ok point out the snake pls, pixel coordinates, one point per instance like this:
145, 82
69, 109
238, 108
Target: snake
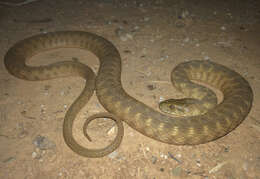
204, 118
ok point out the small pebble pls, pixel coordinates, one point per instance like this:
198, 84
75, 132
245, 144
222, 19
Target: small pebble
154, 159
113, 155
187, 39
127, 51
163, 156
123, 35
43, 143
223, 28
34, 155
178, 155
226, 149
151, 87
198, 163
136, 28
184, 14
206, 58
146, 19
164, 57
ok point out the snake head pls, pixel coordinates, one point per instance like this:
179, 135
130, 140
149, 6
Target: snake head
181, 107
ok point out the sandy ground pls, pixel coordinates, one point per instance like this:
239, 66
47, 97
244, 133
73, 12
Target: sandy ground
152, 37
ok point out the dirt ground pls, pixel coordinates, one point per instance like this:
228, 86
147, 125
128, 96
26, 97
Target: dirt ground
152, 37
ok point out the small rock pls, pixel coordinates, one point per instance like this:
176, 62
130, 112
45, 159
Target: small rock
226, 149
123, 35
109, 22
206, 58
113, 155
198, 163
43, 106
163, 156
151, 87
127, 51
187, 39
154, 159
164, 57
223, 28
43, 143
184, 14
34, 155
146, 19
178, 155
136, 28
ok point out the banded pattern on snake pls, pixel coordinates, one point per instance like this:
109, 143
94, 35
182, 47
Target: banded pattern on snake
215, 121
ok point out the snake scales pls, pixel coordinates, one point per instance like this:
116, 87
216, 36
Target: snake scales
216, 120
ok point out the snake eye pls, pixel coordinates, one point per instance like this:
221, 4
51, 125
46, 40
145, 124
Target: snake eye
172, 106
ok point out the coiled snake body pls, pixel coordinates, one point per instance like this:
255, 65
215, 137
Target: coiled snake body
216, 120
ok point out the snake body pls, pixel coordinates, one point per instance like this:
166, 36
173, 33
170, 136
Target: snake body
216, 121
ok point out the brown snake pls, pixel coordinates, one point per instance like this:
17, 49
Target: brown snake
216, 120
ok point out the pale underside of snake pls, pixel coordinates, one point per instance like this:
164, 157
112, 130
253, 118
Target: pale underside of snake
215, 120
